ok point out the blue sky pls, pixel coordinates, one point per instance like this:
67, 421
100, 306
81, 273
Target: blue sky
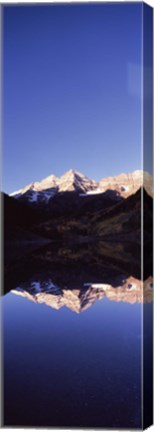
71, 98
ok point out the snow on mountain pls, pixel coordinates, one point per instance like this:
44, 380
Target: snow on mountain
124, 184
73, 180
127, 184
92, 192
48, 187
78, 300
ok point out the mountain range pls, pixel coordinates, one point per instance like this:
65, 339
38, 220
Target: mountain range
75, 276
76, 207
78, 300
73, 181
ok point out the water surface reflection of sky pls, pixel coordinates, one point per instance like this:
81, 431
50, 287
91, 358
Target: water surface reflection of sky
72, 338
68, 369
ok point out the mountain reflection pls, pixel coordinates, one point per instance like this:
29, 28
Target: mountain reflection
77, 276
79, 300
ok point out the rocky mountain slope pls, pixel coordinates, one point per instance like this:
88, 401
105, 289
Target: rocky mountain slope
122, 185
74, 206
79, 300
47, 188
128, 184
99, 218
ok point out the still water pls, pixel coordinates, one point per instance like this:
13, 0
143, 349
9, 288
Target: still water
72, 352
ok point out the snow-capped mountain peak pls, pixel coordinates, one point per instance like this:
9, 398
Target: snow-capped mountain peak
74, 181
48, 187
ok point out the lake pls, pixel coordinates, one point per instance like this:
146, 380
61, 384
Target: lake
72, 344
